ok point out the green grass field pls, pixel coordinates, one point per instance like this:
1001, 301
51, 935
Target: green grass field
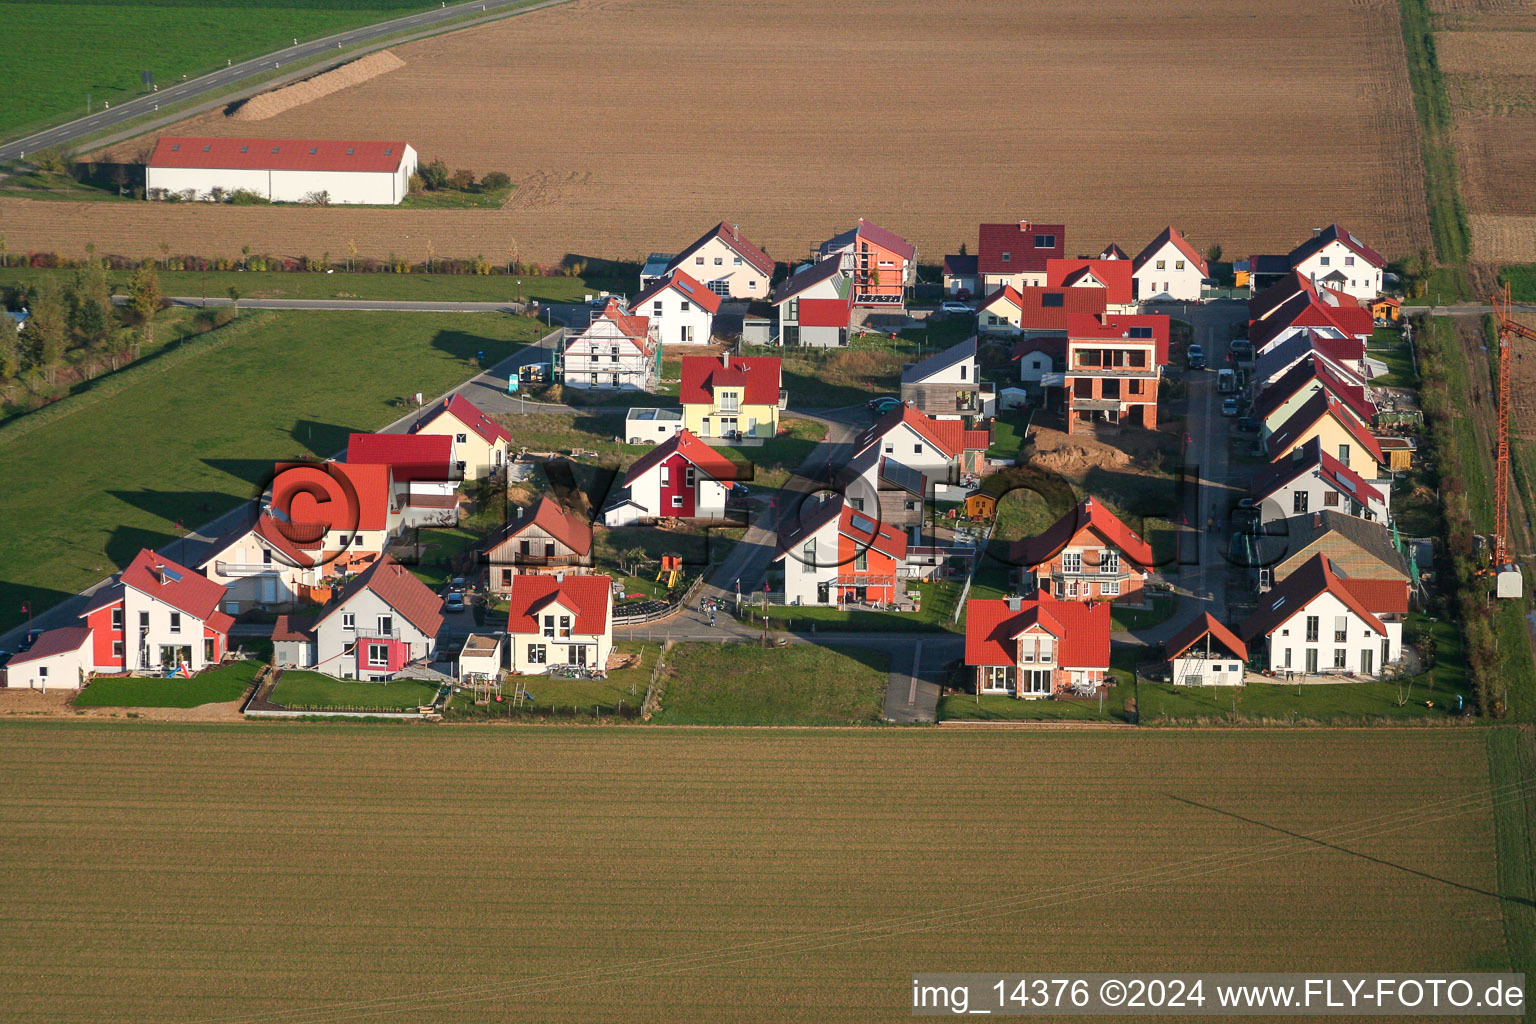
215, 686
298, 690
740, 684
801, 876
91, 480
75, 47
342, 285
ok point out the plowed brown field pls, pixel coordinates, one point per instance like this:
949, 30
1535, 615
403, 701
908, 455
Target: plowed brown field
632, 125
469, 875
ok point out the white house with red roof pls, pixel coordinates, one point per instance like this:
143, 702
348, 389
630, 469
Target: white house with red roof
340, 515
60, 659
946, 452
423, 480
382, 621
838, 555
1344, 357
618, 350
726, 262
681, 310
1169, 269
1205, 653
157, 616
1037, 648
815, 305
1333, 257
1089, 554
559, 620
1320, 621
259, 565
1112, 275
1310, 479
1036, 312
1325, 419
882, 264
1015, 255
680, 478
732, 396
480, 444
282, 170
546, 538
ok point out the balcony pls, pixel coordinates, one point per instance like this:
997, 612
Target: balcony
364, 633
224, 568
1091, 574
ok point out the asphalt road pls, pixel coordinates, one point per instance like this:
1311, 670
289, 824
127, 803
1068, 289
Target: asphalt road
227, 80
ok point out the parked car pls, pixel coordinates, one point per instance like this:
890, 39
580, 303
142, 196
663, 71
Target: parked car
454, 602
952, 308
1229, 407
885, 405
1226, 381
1248, 424
1196, 357
1242, 350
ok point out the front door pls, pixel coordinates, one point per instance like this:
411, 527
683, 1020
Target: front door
1366, 663
1311, 661
210, 654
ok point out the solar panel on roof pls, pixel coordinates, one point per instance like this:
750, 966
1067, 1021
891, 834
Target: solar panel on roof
685, 286
861, 524
1053, 299
207, 148
313, 150
350, 151
245, 149
176, 148
276, 148
171, 575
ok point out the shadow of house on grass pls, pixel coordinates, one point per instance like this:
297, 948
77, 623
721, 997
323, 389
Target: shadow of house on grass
127, 541
257, 473
322, 440
39, 599
467, 348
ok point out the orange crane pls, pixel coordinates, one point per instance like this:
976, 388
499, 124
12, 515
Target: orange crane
1509, 330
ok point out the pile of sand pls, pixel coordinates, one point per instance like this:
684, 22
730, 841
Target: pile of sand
270, 104
1074, 460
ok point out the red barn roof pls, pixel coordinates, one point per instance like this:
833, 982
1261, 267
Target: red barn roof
174, 584
1019, 247
252, 154
759, 377
1115, 275
1081, 630
467, 413
587, 596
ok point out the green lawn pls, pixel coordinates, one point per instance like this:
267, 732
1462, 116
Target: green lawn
992, 707
189, 435
343, 285
622, 685
1008, 435
743, 684
75, 47
775, 460
297, 690
1521, 278
1387, 345
215, 686
938, 605
441, 551
1162, 610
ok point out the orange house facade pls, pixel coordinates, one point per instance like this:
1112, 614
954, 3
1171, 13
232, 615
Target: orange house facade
1037, 648
881, 263
1087, 555
1114, 366
839, 555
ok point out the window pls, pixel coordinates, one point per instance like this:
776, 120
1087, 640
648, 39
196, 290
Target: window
1053, 300
549, 625
506, 577
1178, 264
1331, 499
690, 475
656, 309
117, 620
143, 620
1311, 661
719, 261
1109, 562
1340, 657
1006, 257
1340, 628
857, 504
736, 261
350, 151
1140, 332
1312, 629
117, 648
348, 622
313, 150
1109, 588
698, 260
461, 438
996, 679
1299, 502
1162, 264
42, 671
1287, 659
963, 368
808, 556
890, 448
386, 624
175, 622
861, 560
1072, 561
266, 556
1323, 261
917, 449
1349, 261
666, 476
1344, 454
536, 654
565, 625
677, 501
342, 540
1045, 241
378, 654
684, 306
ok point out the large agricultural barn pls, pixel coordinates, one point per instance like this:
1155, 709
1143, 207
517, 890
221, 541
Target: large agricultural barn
283, 170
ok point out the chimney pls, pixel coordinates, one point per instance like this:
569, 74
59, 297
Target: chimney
560, 577
1014, 602
1317, 520
160, 573
1024, 226
725, 358
1316, 232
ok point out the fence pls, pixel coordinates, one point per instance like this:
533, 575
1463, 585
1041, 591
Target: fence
653, 691
673, 602
981, 553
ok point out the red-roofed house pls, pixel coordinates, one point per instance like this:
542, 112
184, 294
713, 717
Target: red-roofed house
1324, 418
422, 478
339, 514
479, 442
617, 350
881, 263
1320, 622
1285, 394
547, 539
1205, 653
681, 310
60, 658
282, 170
1086, 555
560, 620
1112, 275
259, 565
1312, 479
838, 555
726, 262
1113, 367
732, 395
1015, 255
944, 451
1036, 312
680, 478
156, 616
1169, 269
1335, 258
1037, 648
382, 621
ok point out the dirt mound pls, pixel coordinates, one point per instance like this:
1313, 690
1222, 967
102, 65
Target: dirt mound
1076, 459
278, 101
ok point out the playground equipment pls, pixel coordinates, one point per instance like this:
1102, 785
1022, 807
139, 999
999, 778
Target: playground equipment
671, 568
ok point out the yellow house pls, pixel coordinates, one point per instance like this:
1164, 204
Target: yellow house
1338, 432
479, 443
732, 396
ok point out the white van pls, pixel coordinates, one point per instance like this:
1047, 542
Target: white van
1226, 381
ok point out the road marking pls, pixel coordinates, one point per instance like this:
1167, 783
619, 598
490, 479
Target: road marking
917, 657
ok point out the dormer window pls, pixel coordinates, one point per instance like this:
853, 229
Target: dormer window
1045, 241
1007, 257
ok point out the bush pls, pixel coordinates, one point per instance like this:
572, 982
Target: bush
462, 179
495, 180
435, 174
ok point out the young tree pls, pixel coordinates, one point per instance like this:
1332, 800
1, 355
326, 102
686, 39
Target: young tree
47, 328
495, 180
1213, 254
144, 296
10, 349
462, 179
234, 299
435, 174
90, 299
